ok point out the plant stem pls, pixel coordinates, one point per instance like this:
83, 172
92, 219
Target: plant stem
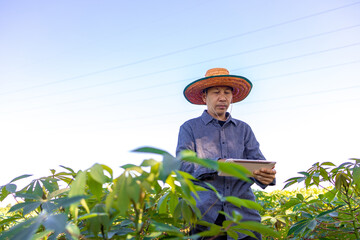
353, 218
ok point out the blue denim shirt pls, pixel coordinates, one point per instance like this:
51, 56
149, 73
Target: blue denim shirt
235, 139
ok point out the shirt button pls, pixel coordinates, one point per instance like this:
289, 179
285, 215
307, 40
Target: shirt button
223, 142
227, 187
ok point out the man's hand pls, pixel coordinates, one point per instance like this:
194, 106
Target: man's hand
265, 175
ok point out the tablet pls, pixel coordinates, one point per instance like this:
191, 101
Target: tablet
250, 164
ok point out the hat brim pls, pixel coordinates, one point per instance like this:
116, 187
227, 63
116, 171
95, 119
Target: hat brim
241, 87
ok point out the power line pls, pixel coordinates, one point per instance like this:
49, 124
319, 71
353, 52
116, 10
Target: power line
267, 100
306, 106
255, 80
265, 111
142, 118
146, 88
183, 50
302, 95
174, 68
298, 56
307, 70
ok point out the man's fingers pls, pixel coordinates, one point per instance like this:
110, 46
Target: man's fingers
264, 180
267, 170
265, 175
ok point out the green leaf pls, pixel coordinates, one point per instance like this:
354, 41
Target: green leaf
24, 230
220, 197
95, 187
149, 163
4, 193
78, 185
356, 176
108, 169
330, 195
41, 235
67, 168
324, 174
233, 234
236, 230
307, 182
162, 227
289, 184
173, 202
119, 197
91, 215
56, 223
184, 211
305, 174
243, 203
328, 212
48, 206
213, 231
30, 206
21, 177
208, 163
341, 181
327, 164
300, 196
150, 150
65, 202
49, 185
11, 187
163, 203
297, 227
122, 232
132, 189
28, 196
38, 189
169, 165
186, 153
130, 166
292, 202
306, 215
99, 223
27, 207
58, 193
17, 207
258, 227
235, 170
97, 173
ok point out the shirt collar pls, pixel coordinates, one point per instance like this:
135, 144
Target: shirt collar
207, 118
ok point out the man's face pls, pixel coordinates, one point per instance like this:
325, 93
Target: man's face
218, 100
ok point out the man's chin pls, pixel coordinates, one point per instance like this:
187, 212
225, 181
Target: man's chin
221, 113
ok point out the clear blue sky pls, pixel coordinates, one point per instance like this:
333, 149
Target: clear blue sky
88, 81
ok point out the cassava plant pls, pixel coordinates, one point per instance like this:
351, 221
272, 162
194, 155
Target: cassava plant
151, 201
335, 214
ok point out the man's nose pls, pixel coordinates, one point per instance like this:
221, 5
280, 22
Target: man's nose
222, 97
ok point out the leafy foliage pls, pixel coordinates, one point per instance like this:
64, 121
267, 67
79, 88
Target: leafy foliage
151, 201
328, 211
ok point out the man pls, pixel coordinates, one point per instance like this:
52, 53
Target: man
216, 135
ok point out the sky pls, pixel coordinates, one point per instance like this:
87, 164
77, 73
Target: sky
85, 82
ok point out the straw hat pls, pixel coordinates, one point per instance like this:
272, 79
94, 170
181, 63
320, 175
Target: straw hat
218, 77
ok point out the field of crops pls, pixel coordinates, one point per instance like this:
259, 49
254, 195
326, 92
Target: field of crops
156, 201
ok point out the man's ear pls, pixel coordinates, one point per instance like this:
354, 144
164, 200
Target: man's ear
204, 97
